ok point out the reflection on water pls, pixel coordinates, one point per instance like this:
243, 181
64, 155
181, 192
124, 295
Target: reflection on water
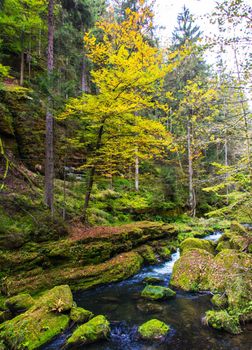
122, 305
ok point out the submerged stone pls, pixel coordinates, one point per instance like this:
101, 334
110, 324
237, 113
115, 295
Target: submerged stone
149, 307
153, 330
90, 332
152, 280
157, 292
80, 315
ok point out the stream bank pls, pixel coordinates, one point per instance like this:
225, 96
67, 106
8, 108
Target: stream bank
122, 305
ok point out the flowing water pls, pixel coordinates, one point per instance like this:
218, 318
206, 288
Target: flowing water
122, 305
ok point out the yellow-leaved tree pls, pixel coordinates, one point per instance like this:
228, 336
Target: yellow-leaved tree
128, 72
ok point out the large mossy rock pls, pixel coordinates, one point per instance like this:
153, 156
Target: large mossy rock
80, 315
230, 272
192, 243
19, 303
190, 272
94, 330
40, 323
157, 293
153, 330
79, 277
223, 320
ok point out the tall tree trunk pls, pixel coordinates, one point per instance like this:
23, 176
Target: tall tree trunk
22, 60
192, 197
84, 76
92, 175
245, 115
226, 161
137, 171
49, 163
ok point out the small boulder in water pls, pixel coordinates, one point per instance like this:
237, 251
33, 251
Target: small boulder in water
157, 292
223, 320
94, 330
153, 330
80, 315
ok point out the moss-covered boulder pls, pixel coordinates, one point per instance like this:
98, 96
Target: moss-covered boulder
94, 330
192, 243
153, 330
80, 315
190, 271
219, 300
148, 254
223, 320
230, 272
157, 293
19, 303
40, 323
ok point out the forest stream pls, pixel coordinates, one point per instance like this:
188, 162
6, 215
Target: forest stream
126, 310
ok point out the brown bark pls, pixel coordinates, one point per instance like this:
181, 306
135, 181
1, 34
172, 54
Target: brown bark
192, 197
49, 163
91, 176
84, 76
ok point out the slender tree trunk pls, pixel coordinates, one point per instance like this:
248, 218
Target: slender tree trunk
84, 76
245, 116
22, 60
137, 171
92, 176
226, 161
192, 198
49, 163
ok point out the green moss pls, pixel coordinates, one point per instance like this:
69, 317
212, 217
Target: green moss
192, 243
148, 254
19, 303
115, 269
153, 330
157, 293
223, 320
190, 271
40, 323
219, 300
164, 252
90, 332
80, 315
